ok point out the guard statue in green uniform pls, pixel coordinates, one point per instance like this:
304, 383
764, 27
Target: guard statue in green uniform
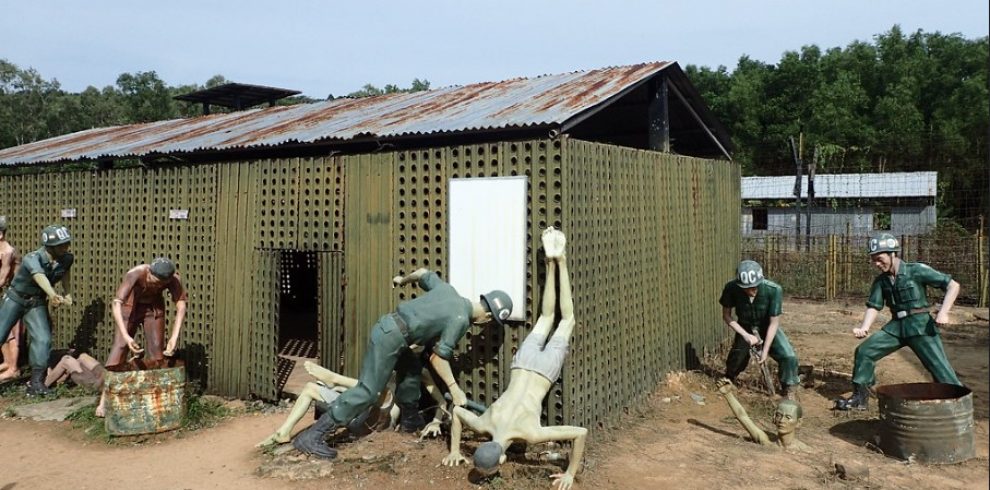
901, 286
441, 314
30, 292
758, 305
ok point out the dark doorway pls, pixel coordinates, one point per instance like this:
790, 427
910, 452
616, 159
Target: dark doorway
760, 220
298, 318
298, 307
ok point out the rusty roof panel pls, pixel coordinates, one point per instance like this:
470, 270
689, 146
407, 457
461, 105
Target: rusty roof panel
516, 103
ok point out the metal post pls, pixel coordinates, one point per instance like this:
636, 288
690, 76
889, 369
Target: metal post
658, 115
811, 200
797, 195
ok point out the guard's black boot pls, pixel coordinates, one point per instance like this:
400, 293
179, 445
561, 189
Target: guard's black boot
410, 420
37, 385
311, 440
860, 399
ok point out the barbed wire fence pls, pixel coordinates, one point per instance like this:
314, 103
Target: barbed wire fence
817, 248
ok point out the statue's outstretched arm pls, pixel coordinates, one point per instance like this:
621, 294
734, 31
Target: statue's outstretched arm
577, 436
727, 390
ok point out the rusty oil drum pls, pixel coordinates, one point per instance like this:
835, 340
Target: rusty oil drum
145, 398
926, 422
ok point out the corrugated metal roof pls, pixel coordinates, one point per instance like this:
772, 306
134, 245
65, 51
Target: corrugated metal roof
517, 103
893, 184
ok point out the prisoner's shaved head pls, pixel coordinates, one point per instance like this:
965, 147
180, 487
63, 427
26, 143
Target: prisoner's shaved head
487, 456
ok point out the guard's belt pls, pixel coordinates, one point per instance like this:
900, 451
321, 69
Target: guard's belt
26, 301
906, 313
403, 327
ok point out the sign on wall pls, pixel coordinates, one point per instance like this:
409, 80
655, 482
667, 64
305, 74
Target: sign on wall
488, 238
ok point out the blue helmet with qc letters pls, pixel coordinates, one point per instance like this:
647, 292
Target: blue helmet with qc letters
55, 235
749, 274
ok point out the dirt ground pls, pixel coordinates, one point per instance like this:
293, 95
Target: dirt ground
669, 441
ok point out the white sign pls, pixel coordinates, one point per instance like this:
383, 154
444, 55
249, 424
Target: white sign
69, 213
488, 238
178, 214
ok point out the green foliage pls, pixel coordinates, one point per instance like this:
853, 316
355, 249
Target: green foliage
903, 102
203, 412
370, 90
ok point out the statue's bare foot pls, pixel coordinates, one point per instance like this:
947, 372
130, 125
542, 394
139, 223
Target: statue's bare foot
321, 373
553, 242
10, 375
273, 439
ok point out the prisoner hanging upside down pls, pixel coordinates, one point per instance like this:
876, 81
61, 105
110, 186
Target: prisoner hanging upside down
441, 313
787, 419
383, 414
515, 415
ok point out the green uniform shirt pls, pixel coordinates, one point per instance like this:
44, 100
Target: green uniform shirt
904, 293
767, 303
441, 312
37, 263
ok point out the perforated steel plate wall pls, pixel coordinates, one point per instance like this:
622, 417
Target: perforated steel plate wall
652, 237
484, 356
122, 219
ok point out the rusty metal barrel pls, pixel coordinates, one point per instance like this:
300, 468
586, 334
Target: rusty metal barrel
926, 422
145, 398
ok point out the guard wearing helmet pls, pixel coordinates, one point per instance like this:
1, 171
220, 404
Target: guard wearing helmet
901, 286
30, 292
10, 347
440, 314
757, 302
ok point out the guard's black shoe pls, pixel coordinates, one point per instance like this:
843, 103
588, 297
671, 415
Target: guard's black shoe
36, 387
860, 399
311, 441
410, 420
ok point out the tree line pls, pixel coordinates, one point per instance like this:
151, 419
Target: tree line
903, 102
900, 102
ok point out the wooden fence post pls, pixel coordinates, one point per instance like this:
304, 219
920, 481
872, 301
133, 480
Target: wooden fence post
983, 280
830, 269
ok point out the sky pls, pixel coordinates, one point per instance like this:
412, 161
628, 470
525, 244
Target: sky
337, 46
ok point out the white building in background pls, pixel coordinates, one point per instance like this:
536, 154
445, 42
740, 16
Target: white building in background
902, 203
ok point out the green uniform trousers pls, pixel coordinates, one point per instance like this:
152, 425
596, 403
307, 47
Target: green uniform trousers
928, 348
39, 329
781, 351
387, 351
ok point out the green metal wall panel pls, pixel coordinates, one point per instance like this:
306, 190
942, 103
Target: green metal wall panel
331, 310
368, 269
651, 244
264, 324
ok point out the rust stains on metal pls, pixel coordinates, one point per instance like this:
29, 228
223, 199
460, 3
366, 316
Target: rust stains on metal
515, 103
930, 423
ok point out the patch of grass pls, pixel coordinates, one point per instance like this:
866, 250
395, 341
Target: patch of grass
85, 419
203, 412
14, 394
